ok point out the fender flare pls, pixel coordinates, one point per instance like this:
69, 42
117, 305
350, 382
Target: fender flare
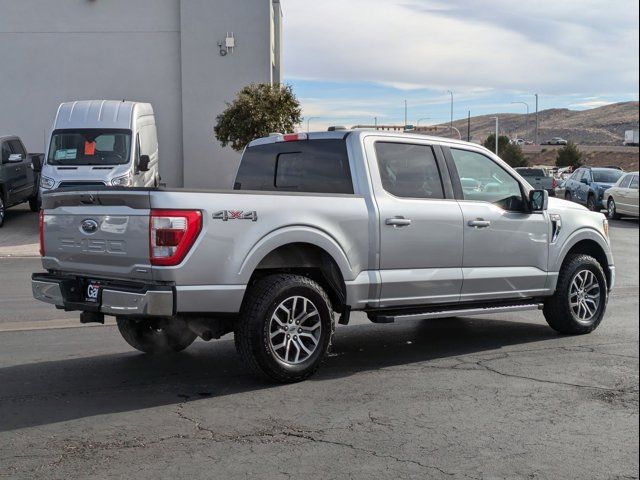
294, 234
576, 237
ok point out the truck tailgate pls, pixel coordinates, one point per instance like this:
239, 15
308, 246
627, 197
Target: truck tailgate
98, 233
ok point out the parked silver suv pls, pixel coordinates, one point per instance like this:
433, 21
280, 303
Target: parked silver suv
322, 224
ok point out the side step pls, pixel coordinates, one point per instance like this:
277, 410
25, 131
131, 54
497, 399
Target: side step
454, 312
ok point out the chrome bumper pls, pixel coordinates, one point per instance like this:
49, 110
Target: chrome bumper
153, 301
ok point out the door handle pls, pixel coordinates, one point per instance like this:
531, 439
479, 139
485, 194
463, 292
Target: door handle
479, 223
398, 222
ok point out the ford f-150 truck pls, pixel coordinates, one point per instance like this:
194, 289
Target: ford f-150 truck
317, 226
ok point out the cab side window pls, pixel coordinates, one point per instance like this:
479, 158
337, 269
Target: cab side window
484, 180
17, 148
634, 183
626, 181
6, 152
409, 171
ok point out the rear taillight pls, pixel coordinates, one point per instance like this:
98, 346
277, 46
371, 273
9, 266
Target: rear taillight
41, 223
172, 233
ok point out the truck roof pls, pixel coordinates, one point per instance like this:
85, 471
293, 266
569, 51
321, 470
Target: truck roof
100, 114
340, 134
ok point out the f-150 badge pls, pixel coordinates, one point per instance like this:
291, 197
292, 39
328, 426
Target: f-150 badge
226, 215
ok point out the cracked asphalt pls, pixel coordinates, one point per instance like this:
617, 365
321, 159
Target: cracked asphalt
479, 397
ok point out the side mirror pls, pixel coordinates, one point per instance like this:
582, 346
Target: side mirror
539, 200
144, 163
15, 158
585, 181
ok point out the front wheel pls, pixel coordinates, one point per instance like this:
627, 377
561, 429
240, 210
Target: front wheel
285, 328
612, 211
591, 203
156, 336
580, 301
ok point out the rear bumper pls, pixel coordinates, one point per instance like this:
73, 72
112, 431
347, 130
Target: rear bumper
124, 299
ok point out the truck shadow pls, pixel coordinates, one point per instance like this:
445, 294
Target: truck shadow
49, 392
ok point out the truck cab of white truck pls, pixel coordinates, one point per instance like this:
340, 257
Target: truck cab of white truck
102, 143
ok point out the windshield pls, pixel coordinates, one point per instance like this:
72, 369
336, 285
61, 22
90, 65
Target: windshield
607, 176
90, 147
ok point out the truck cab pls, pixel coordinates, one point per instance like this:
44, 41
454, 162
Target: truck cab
102, 143
18, 176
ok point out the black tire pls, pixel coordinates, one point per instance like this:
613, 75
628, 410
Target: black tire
35, 203
156, 336
3, 210
254, 328
558, 310
568, 197
591, 203
612, 211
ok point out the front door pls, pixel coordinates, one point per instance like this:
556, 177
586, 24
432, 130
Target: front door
506, 248
420, 224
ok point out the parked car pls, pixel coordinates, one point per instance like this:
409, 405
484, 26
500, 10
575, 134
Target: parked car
557, 141
622, 198
321, 223
587, 186
100, 142
18, 176
539, 178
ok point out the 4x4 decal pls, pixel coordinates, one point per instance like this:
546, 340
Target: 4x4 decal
226, 215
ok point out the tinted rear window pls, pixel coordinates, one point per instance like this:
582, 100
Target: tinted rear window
311, 166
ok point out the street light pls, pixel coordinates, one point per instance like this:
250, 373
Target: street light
451, 120
497, 137
309, 122
406, 111
526, 129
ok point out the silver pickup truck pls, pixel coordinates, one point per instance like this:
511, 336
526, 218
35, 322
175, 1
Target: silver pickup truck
317, 226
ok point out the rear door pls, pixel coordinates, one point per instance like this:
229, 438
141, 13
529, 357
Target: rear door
506, 248
98, 233
632, 198
420, 223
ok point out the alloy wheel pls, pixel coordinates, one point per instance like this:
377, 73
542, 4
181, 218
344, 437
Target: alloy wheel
294, 330
584, 296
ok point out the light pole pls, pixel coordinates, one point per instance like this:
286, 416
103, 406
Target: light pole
309, 122
537, 123
526, 129
497, 135
451, 118
406, 114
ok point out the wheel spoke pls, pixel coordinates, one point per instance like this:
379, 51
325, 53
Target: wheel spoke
297, 342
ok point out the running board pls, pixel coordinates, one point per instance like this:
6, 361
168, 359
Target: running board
458, 312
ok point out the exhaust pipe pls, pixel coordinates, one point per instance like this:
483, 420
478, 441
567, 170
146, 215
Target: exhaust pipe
204, 328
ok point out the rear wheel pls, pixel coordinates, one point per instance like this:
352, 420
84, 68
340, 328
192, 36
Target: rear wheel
285, 329
156, 335
612, 211
35, 203
591, 203
2, 210
580, 301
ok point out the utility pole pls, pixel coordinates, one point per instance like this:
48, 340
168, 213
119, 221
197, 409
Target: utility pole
469, 126
451, 118
497, 134
537, 121
375, 122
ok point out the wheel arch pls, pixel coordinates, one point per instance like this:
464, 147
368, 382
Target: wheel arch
589, 242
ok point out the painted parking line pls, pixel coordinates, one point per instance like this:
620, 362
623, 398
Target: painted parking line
52, 325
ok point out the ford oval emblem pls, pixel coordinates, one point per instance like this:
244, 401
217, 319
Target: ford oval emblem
89, 226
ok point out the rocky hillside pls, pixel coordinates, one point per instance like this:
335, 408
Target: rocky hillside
597, 126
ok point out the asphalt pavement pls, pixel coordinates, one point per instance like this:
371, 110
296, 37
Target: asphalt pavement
481, 397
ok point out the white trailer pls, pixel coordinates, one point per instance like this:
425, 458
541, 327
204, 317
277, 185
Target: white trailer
631, 138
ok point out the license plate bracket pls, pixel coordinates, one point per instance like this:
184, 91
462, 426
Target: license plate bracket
92, 291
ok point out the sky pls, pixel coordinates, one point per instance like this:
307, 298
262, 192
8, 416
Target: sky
350, 61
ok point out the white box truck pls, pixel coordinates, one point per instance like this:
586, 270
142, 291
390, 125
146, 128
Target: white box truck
631, 138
